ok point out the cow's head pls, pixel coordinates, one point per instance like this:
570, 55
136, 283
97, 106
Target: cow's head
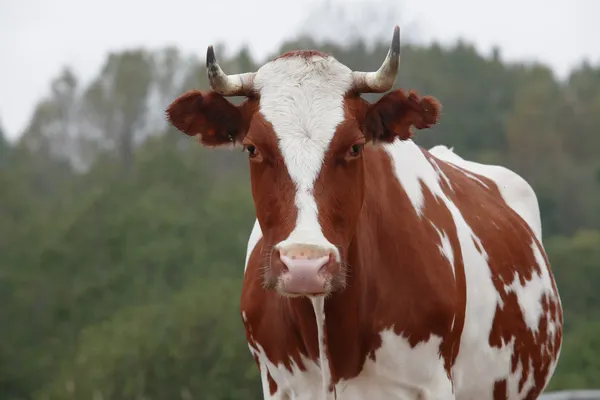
304, 126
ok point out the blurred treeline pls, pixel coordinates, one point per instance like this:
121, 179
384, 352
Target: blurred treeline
122, 241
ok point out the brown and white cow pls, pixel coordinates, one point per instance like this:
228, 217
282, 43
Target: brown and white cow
377, 269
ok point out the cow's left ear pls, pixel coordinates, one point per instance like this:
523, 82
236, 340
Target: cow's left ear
394, 114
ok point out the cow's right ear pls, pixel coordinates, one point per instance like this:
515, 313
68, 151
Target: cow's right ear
210, 116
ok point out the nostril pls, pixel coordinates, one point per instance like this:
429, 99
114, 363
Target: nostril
330, 261
282, 258
277, 261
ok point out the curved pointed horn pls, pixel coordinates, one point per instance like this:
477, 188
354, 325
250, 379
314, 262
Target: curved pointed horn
227, 85
384, 78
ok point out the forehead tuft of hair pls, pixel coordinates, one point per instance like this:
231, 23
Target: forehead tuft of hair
302, 54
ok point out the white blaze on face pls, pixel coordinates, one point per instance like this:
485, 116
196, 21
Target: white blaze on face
303, 98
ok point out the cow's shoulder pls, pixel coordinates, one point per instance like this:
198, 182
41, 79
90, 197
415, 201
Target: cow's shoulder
515, 190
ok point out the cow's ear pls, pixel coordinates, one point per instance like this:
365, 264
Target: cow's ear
394, 114
210, 116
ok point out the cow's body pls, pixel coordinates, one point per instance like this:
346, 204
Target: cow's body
455, 266
377, 269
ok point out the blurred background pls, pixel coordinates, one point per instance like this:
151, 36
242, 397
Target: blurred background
122, 241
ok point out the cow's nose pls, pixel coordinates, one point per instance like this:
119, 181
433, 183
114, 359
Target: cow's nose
306, 269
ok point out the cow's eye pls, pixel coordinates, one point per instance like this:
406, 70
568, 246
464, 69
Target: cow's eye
355, 150
251, 149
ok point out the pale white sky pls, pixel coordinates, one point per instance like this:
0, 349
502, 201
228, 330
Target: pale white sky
38, 37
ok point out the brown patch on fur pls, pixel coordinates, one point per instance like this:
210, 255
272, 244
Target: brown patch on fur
436, 212
275, 209
285, 327
394, 114
272, 384
500, 392
211, 116
302, 54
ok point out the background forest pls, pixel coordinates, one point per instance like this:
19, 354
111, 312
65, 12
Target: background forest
122, 241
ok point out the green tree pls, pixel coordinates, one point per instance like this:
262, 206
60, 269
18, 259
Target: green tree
5, 148
116, 103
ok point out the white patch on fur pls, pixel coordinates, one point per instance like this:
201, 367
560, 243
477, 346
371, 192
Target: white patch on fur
442, 174
446, 248
319, 308
530, 294
515, 190
401, 152
400, 372
297, 384
512, 384
303, 98
255, 236
290, 385
553, 322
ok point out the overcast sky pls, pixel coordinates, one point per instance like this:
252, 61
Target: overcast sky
38, 37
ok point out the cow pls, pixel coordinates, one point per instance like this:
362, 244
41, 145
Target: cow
377, 269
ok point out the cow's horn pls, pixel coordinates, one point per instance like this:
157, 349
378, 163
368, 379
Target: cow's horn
227, 85
384, 78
